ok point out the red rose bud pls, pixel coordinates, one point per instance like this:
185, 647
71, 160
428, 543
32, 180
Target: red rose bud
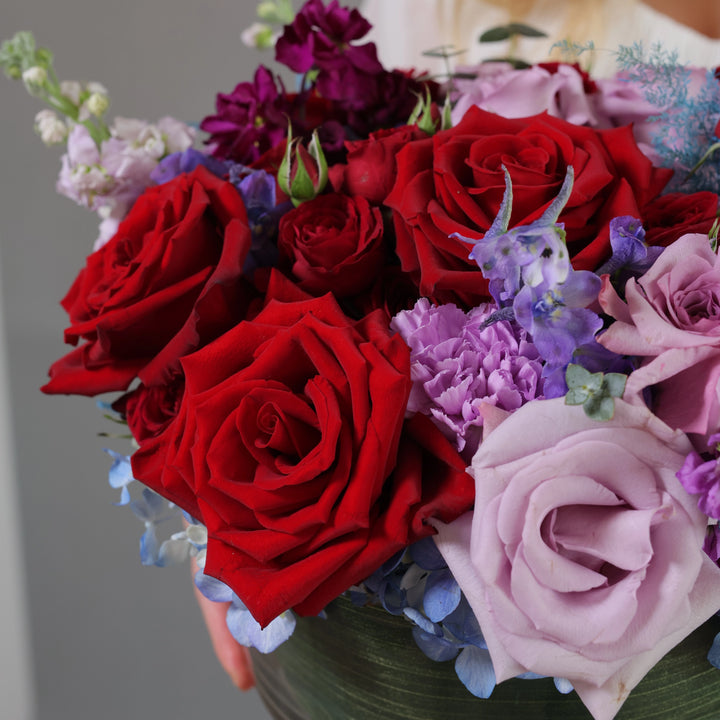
295, 179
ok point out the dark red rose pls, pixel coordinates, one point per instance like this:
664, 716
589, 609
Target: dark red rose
149, 410
168, 282
371, 167
291, 447
454, 183
676, 214
333, 243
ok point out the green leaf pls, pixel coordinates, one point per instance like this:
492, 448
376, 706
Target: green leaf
496, 34
525, 30
615, 384
576, 376
600, 408
505, 32
576, 396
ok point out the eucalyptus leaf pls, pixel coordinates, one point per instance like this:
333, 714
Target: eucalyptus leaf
615, 384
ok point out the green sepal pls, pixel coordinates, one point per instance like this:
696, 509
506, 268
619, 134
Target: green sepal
301, 186
285, 169
446, 117
317, 154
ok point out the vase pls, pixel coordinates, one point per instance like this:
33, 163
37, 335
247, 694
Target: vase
362, 663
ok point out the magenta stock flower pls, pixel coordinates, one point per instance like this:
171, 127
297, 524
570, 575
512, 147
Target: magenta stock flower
250, 120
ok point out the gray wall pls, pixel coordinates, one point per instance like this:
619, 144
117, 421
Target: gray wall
111, 640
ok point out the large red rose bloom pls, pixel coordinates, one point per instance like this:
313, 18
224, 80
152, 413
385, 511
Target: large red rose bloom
291, 446
454, 183
169, 281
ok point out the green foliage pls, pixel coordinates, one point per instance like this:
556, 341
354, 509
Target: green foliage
20, 54
596, 392
505, 32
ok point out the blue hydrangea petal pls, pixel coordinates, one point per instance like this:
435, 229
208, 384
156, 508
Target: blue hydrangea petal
247, 631
426, 554
714, 653
149, 545
442, 595
436, 648
422, 622
212, 588
563, 685
173, 552
463, 624
474, 668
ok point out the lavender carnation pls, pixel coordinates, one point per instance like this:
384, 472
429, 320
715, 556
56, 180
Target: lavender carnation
458, 364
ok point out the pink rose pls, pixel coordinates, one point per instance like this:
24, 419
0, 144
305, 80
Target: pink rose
671, 318
583, 557
503, 90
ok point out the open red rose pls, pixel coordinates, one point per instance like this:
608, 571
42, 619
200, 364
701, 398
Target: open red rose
169, 281
454, 183
333, 243
291, 447
671, 216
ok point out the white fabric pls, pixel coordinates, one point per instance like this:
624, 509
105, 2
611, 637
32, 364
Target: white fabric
404, 29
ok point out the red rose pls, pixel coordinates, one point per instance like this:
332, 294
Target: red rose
334, 243
168, 282
371, 169
673, 215
149, 410
454, 182
291, 447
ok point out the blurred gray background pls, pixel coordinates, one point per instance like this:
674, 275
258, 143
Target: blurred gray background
110, 639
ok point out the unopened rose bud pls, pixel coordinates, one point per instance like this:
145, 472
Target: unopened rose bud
97, 104
51, 129
35, 78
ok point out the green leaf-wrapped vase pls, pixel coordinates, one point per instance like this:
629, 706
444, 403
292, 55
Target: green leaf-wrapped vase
362, 664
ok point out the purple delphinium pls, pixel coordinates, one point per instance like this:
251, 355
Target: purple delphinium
251, 119
458, 363
185, 162
630, 255
701, 476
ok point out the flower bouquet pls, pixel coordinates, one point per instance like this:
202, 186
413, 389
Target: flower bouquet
429, 369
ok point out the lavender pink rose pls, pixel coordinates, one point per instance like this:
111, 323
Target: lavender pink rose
671, 318
577, 532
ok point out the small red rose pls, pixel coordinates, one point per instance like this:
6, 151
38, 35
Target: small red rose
333, 243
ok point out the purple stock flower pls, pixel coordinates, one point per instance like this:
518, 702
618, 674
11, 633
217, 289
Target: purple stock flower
250, 120
700, 476
458, 364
